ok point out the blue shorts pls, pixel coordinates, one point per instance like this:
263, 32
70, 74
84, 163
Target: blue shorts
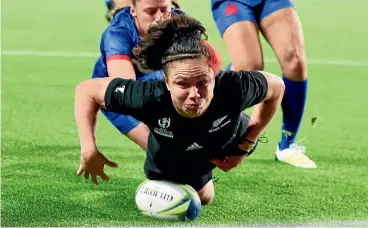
228, 12
125, 123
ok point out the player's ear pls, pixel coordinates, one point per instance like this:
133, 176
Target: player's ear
132, 10
167, 83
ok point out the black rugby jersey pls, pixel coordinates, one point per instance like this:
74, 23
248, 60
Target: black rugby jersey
176, 144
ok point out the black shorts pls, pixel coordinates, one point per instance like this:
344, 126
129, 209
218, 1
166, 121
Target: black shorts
197, 182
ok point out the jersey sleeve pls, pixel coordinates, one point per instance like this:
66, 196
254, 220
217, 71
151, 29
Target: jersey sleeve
117, 43
243, 88
130, 97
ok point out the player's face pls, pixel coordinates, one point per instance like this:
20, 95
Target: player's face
191, 84
149, 12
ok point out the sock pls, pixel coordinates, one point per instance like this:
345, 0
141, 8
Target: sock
228, 68
292, 105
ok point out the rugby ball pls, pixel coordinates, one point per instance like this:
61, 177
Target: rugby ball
167, 200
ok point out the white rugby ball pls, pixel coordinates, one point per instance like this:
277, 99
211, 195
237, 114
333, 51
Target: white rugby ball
167, 200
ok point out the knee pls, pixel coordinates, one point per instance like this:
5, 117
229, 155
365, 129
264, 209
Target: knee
207, 193
248, 64
294, 64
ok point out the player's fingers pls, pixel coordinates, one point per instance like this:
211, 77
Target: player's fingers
104, 176
94, 178
80, 170
86, 174
110, 163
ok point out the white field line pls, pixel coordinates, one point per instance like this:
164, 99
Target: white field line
334, 223
339, 62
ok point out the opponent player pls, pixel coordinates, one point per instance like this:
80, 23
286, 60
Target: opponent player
239, 23
195, 116
116, 60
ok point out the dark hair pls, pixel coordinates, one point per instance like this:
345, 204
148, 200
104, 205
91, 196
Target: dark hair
180, 37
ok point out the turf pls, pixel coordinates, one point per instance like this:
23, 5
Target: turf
40, 148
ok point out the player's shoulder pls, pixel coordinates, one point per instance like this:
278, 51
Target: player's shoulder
149, 92
230, 80
154, 93
122, 20
154, 89
227, 76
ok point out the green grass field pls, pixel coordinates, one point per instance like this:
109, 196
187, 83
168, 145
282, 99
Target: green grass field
40, 147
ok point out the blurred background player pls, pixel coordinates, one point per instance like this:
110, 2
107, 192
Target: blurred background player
239, 23
127, 25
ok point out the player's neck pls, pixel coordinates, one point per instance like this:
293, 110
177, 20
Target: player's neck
139, 27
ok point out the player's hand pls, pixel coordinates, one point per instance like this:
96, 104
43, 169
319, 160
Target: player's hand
228, 162
92, 164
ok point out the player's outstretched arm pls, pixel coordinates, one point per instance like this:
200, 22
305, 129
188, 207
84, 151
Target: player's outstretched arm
120, 68
89, 96
263, 112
